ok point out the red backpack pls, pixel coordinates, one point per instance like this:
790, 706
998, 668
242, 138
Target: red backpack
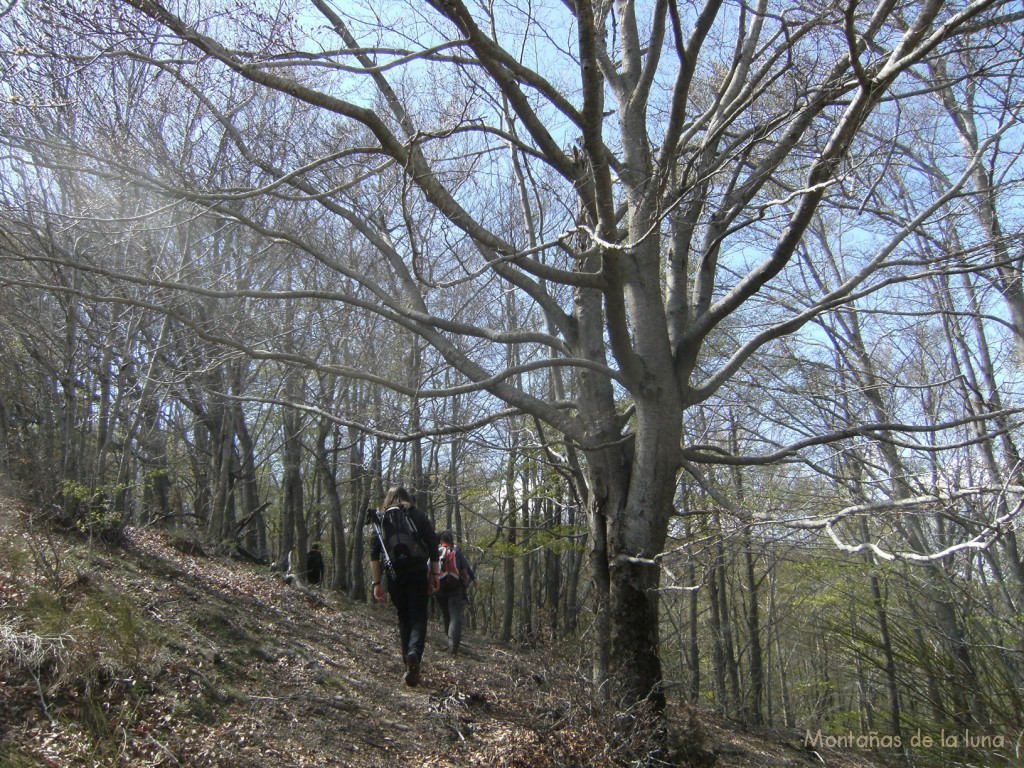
450, 578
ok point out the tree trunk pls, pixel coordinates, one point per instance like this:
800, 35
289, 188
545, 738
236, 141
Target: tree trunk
69, 461
294, 535
574, 567
329, 483
221, 525
361, 498
509, 558
756, 667
525, 629
693, 598
885, 639
717, 638
202, 503
632, 494
453, 506
728, 644
255, 537
552, 572
773, 622
103, 379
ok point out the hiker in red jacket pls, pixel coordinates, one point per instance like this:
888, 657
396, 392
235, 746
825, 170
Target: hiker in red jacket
455, 580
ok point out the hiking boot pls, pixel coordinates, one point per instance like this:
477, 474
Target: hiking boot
412, 669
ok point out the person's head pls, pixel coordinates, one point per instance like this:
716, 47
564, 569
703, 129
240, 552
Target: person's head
397, 494
446, 538
316, 547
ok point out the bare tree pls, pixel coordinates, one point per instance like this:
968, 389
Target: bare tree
668, 163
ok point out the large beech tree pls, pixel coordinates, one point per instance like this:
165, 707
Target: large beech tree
638, 176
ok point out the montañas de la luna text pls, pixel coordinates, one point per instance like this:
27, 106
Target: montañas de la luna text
874, 740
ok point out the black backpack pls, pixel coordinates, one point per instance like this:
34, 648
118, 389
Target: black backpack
401, 537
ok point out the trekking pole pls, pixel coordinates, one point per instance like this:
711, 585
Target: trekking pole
373, 517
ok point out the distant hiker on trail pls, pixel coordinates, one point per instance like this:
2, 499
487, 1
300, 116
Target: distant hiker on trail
456, 578
315, 566
409, 543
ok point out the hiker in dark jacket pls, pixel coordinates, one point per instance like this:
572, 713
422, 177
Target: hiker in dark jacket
315, 566
412, 584
453, 589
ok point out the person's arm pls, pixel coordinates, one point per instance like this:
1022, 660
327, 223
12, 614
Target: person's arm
429, 536
465, 569
434, 566
375, 578
376, 572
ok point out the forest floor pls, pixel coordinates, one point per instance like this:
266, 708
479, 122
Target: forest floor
155, 653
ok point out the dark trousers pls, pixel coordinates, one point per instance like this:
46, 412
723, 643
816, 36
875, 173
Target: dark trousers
410, 595
451, 602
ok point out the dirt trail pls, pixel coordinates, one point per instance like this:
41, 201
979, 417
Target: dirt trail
196, 660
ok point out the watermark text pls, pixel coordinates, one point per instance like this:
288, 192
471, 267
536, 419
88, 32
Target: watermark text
943, 739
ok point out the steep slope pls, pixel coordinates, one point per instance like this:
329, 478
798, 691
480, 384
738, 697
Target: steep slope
155, 653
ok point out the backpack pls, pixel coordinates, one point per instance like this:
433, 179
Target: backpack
450, 578
401, 537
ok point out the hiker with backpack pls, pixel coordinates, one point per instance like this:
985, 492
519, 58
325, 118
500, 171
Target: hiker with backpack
456, 577
407, 546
